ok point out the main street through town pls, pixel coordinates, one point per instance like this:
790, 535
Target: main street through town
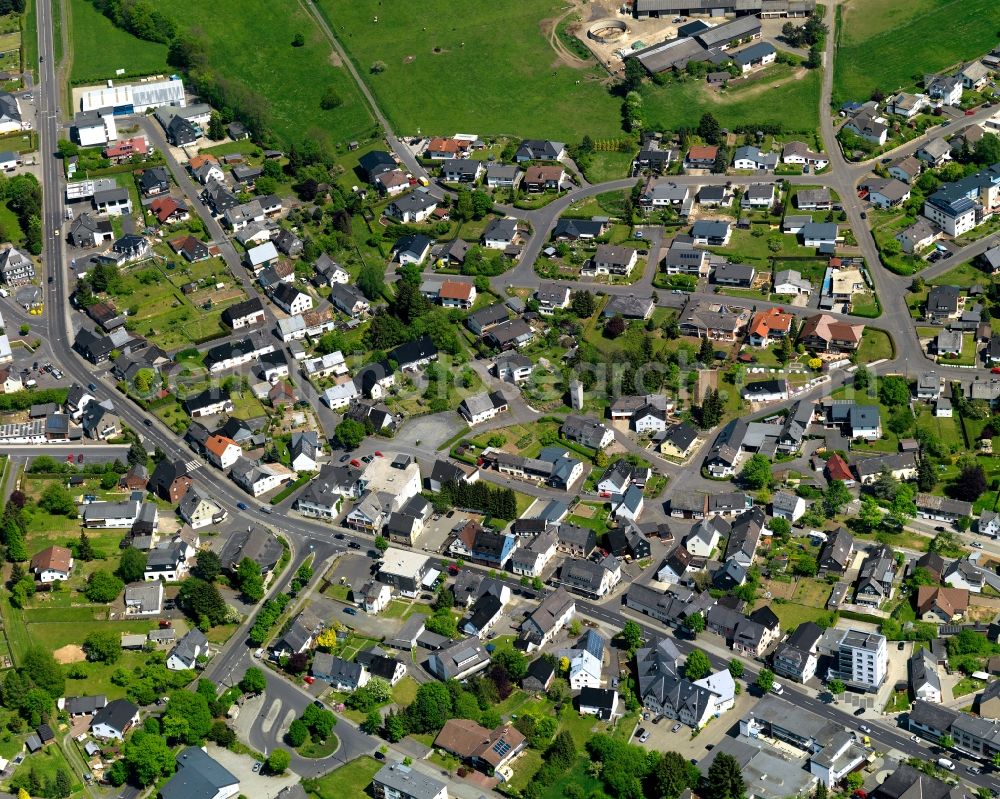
317, 540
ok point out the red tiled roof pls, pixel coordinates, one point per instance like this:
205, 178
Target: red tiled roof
703, 153
455, 290
837, 469
53, 558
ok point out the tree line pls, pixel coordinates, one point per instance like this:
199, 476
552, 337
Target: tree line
500, 503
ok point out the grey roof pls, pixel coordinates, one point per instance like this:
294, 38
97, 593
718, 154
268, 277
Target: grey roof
116, 714
257, 543
198, 776
406, 782
923, 670
188, 648
740, 272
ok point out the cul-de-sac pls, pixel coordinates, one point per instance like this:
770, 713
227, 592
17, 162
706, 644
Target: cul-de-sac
563, 399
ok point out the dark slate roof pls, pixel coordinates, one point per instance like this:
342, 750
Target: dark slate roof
116, 714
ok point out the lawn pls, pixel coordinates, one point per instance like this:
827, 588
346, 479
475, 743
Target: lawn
99, 49
968, 355
253, 52
792, 615
963, 275
793, 104
601, 167
347, 782
405, 691
875, 345
46, 763
911, 37
967, 685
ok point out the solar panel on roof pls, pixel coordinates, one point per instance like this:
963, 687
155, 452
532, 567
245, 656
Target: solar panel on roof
502, 748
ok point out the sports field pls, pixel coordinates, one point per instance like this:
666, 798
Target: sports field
890, 44
249, 44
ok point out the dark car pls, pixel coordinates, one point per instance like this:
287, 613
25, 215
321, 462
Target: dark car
147, 422
91, 387
318, 704
344, 457
354, 545
241, 505
339, 536
350, 611
864, 215
860, 711
901, 646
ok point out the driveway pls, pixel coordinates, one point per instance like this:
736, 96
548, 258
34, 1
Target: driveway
252, 784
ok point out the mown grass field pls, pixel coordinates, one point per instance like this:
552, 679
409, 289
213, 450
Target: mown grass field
473, 75
249, 44
792, 103
99, 48
488, 68
890, 44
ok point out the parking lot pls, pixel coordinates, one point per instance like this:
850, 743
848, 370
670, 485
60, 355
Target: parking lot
251, 783
662, 737
439, 528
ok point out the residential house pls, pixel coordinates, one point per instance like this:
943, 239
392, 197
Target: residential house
188, 649
790, 282
916, 237
752, 158
934, 152
941, 509
52, 564
875, 583
826, 333
797, 152
941, 605
553, 613
413, 207
114, 720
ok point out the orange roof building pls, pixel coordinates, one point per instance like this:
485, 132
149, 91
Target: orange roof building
200, 160
938, 604
703, 153
456, 293
767, 324
222, 451
837, 469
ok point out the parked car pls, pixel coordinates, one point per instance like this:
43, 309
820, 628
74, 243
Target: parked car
859, 711
350, 611
643, 735
676, 727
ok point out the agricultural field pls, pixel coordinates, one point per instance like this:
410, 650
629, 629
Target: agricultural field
911, 37
253, 51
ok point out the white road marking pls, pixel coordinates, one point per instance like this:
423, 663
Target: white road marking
272, 714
